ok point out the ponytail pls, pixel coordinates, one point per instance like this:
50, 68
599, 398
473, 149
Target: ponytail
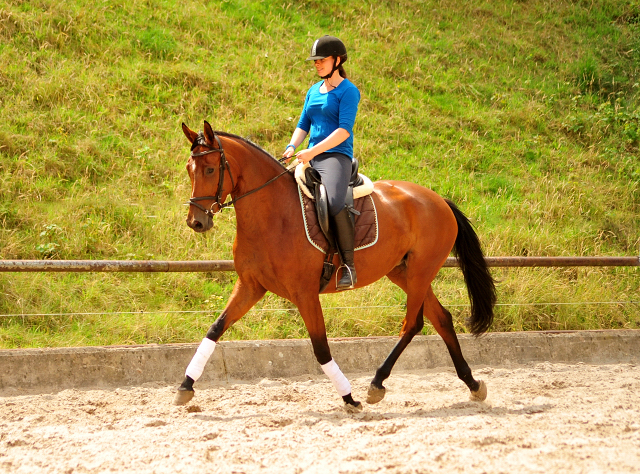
341, 71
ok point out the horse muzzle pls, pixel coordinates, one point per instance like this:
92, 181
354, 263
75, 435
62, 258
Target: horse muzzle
200, 223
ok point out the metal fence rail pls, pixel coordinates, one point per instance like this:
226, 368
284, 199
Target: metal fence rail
228, 266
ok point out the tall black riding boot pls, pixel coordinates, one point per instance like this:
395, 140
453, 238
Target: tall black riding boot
344, 232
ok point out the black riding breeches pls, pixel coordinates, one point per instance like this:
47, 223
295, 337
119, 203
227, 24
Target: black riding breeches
335, 170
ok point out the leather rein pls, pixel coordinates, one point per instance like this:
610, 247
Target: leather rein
224, 165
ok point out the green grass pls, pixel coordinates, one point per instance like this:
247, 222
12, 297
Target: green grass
526, 114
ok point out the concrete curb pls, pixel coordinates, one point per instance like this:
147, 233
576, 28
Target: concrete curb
49, 370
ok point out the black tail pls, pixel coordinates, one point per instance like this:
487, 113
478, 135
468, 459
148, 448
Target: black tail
480, 284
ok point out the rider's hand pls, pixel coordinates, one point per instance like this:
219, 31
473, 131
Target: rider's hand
304, 156
288, 153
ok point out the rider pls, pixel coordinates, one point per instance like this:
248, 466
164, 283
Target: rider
329, 113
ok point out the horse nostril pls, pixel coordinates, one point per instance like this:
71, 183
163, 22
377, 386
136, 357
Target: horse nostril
195, 224
199, 225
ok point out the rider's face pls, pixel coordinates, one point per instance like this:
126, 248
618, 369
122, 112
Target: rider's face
324, 66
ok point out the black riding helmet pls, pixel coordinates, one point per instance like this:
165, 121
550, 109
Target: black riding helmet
325, 47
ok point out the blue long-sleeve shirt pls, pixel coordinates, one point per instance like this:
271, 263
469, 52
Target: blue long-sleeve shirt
323, 114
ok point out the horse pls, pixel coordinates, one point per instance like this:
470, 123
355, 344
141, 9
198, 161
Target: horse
418, 230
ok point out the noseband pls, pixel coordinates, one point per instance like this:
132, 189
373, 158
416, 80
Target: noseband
224, 165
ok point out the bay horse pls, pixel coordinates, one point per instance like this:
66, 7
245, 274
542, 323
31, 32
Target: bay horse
417, 231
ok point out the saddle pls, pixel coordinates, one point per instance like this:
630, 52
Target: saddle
313, 199
311, 185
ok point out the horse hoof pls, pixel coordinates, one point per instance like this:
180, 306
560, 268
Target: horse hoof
183, 397
357, 408
479, 395
375, 394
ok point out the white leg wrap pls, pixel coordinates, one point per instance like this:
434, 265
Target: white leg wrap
196, 367
336, 376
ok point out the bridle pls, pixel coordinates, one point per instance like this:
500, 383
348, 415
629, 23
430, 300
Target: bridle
224, 165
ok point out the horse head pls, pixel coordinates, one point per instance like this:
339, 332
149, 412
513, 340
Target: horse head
207, 167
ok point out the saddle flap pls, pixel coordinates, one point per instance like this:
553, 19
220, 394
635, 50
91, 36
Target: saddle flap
312, 179
322, 208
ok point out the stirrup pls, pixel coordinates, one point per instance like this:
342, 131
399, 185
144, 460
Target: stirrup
351, 285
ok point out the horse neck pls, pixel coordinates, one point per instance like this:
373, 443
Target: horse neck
252, 168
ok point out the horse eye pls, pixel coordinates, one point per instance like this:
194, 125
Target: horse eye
210, 170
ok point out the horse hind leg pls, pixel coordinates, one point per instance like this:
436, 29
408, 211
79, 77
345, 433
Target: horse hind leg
443, 324
412, 325
377, 391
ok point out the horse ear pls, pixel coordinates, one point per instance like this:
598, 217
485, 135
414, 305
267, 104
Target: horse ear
190, 134
208, 134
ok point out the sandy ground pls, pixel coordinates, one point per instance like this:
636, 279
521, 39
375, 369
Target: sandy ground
538, 418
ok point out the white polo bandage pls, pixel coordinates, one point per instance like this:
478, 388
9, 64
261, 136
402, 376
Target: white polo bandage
196, 367
336, 376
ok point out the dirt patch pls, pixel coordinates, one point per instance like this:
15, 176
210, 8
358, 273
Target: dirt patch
538, 418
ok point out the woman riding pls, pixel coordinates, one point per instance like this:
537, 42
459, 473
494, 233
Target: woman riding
328, 115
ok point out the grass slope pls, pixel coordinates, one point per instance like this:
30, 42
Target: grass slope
525, 113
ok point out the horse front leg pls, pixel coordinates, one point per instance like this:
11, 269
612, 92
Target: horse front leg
311, 312
242, 299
